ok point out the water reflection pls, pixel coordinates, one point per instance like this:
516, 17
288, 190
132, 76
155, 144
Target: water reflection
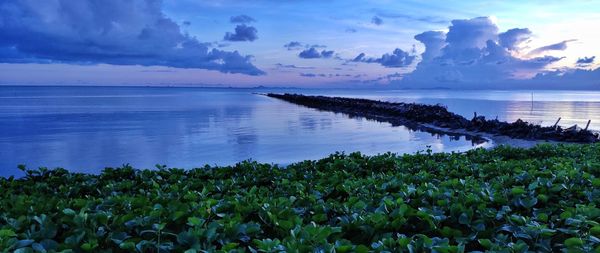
86, 129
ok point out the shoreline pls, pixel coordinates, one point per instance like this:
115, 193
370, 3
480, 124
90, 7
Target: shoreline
497, 140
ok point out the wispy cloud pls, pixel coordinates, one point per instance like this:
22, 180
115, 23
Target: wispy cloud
404, 16
376, 20
553, 47
241, 19
292, 66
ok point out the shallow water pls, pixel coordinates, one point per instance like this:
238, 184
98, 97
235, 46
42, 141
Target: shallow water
88, 128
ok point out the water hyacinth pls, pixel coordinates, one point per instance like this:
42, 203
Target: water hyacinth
543, 199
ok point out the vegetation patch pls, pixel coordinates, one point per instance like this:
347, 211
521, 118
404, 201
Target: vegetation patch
543, 199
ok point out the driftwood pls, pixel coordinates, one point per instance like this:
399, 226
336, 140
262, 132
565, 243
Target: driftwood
438, 116
555, 124
587, 125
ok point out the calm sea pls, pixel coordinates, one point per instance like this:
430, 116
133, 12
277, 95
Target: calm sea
85, 129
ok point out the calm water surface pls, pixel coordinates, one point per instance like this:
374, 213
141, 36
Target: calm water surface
88, 128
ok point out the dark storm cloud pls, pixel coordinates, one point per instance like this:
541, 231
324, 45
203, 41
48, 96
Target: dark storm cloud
242, 33
376, 20
313, 53
241, 19
115, 32
396, 59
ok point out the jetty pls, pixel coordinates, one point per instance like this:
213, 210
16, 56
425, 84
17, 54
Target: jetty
437, 119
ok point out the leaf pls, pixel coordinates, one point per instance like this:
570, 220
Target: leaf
49, 244
4, 233
573, 242
195, 221
518, 190
89, 246
23, 250
361, 249
127, 245
464, 219
69, 212
528, 202
595, 231
38, 247
23, 243
486, 243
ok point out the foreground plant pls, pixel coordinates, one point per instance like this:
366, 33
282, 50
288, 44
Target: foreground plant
543, 199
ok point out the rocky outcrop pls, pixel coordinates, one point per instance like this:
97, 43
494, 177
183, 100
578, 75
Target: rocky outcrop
419, 115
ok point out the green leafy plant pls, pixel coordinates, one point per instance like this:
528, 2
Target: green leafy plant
543, 199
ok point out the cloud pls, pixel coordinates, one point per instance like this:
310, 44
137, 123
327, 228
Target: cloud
474, 54
133, 32
326, 54
313, 53
376, 20
396, 59
388, 78
425, 19
292, 66
569, 79
468, 34
512, 38
242, 33
351, 30
434, 41
294, 45
554, 47
585, 61
241, 19
324, 75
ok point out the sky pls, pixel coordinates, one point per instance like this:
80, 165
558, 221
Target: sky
355, 44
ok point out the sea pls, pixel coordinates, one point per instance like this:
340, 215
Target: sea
86, 129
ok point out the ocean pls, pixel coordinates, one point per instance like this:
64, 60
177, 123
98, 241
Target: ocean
85, 129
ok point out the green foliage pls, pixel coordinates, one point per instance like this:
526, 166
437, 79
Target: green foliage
544, 199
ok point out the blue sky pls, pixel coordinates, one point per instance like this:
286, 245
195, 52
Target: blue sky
337, 43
